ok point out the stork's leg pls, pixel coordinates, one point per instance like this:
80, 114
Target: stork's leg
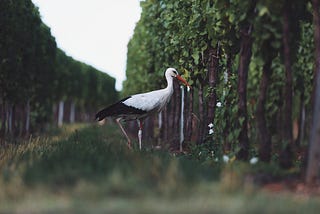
124, 132
140, 133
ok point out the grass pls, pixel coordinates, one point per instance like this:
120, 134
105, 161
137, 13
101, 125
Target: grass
89, 169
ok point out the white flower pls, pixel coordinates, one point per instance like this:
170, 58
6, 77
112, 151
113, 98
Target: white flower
216, 159
254, 160
199, 153
225, 158
219, 104
211, 131
210, 125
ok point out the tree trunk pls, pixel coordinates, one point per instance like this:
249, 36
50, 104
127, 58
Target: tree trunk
229, 66
171, 121
19, 120
264, 136
302, 119
148, 129
201, 115
27, 120
66, 111
151, 127
213, 73
176, 116
227, 76
244, 60
287, 137
165, 124
13, 119
3, 119
314, 144
72, 112
60, 113
9, 116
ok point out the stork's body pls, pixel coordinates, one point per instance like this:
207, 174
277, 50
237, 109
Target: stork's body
139, 106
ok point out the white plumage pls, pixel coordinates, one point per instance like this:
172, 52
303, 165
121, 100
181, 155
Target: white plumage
154, 100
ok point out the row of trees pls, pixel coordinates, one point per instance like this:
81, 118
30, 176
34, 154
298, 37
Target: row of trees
37, 78
255, 58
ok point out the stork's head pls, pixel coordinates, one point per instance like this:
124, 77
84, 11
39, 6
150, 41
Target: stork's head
173, 73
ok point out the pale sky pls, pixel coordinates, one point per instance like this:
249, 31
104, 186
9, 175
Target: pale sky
95, 32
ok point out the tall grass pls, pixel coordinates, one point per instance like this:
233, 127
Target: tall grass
89, 169
94, 155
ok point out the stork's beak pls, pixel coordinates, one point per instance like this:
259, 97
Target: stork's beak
183, 81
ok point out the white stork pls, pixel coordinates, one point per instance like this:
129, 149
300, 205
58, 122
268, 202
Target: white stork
139, 106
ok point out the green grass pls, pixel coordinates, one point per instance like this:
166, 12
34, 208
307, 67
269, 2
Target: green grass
89, 169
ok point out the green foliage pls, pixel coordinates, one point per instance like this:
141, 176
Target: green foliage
92, 155
304, 65
33, 70
180, 34
89, 88
26, 48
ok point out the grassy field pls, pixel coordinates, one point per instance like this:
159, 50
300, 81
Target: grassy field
89, 169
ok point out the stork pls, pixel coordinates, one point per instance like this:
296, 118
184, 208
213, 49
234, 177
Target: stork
139, 106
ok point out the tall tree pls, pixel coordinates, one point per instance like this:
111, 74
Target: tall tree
267, 47
264, 135
286, 153
314, 144
244, 60
213, 61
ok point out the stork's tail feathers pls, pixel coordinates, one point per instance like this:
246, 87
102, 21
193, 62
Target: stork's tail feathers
107, 112
102, 114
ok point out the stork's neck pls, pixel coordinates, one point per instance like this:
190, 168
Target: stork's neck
169, 83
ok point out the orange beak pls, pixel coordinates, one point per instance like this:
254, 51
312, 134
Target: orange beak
183, 80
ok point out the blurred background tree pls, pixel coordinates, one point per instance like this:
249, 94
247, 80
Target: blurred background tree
36, 76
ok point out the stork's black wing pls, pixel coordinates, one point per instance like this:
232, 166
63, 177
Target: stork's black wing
118, 109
